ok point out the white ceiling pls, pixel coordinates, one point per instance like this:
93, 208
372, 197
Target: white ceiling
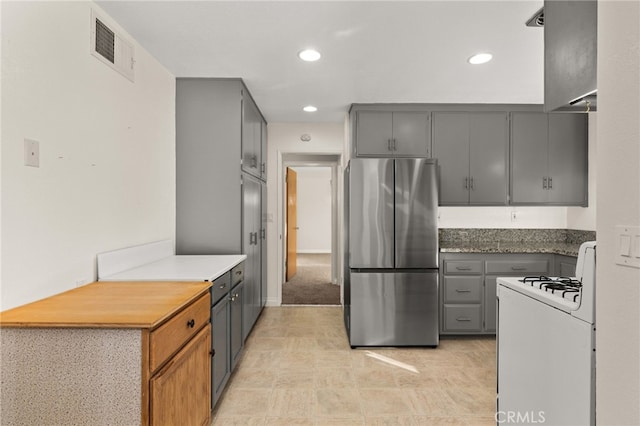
393, 51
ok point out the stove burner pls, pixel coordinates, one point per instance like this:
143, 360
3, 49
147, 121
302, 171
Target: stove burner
565, 287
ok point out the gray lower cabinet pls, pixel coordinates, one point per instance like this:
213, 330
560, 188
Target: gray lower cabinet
226, 328
220, 137
472, 152
565, 266
548, 158
468, 297
392, 134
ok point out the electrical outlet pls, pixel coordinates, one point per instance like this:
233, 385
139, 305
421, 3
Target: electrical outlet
31, 153
514, 216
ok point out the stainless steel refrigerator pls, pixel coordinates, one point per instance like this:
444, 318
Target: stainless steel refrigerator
391, 285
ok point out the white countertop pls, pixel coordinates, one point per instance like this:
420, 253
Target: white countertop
180, 268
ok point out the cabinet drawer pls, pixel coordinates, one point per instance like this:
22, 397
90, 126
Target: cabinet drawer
462, 318
462, 267
220, 287
517, 267
237, 274
462, 289
170, 336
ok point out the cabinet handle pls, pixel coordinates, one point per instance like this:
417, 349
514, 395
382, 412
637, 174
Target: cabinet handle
471, 183
466, 183
518, 268
212, 352
545, 185
238, 272
223, 286
263, 234
254, 162
389, 145
463, 319
263, 168
394, 144
458, 290
191, 323
463, 268
550, 180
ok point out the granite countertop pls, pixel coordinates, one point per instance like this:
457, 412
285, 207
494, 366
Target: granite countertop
567, 249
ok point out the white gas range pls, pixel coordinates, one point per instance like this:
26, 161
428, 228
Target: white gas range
546, 347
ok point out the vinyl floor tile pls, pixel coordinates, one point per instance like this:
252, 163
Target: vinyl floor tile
298, 368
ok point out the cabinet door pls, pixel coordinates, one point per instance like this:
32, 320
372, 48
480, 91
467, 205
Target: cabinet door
490, 303
263, 150
237, 342
528, 157
451, 149
263, 247
251, 137
411, 134
251, 229
221, 363
488, 148
568, 158
181, 392
374, 133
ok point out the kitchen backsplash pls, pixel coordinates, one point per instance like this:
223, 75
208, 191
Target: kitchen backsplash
454, 235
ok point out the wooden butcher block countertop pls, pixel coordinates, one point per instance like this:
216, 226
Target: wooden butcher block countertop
107, 305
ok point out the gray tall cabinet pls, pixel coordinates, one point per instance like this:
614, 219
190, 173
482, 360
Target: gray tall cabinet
221, 180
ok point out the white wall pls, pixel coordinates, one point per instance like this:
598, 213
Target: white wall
326, 138
107, 153
618, 287
581, 217
314, 209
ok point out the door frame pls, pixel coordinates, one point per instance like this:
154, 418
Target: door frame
324, 159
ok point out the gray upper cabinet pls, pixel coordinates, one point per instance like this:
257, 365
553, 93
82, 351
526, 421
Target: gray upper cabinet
472, 152
252, 161
392, 134
570, 54
549, 159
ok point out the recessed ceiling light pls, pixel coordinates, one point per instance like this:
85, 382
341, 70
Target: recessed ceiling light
310, 108
309, 55
480, 58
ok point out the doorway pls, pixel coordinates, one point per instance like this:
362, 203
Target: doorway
310, 252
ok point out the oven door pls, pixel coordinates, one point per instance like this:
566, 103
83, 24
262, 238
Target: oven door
546, 366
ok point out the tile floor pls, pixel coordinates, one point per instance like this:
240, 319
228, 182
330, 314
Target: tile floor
298, 369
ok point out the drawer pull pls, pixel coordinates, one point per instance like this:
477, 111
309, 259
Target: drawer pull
223, 286
459, 290
518, 268
463, 268
465, 319
191, 323
212, 352
238, 272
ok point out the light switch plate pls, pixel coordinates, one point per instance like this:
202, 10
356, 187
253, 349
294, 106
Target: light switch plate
31, 153
628, 246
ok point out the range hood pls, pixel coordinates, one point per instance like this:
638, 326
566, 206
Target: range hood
570, 55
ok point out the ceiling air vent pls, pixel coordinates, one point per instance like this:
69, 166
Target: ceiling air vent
537, 20
110, 47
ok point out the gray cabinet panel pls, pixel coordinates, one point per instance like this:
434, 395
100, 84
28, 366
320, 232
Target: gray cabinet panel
374, 133
220, 362
462, 318
462, 289
411, 134
252, 214
251, 137
490, 312
392, 134
488, 148
565, 266
528, 157
451, 149
263, 246
567, 158
236, 340
471, 149
264, 150
207, 152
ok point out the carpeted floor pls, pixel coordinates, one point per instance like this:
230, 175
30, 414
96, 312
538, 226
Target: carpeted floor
312, 283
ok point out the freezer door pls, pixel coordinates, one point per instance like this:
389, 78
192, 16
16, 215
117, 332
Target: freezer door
416, 237
371, 195
394, 309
